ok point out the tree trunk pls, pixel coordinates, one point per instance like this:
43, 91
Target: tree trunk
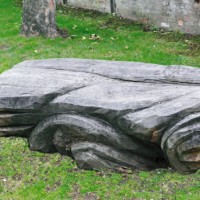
39, 18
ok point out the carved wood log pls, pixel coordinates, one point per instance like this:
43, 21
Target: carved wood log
105, 114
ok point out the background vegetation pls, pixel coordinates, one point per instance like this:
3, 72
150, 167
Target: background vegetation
36, 176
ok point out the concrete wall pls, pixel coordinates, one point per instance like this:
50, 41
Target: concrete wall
183, 15
100, 5
59, 1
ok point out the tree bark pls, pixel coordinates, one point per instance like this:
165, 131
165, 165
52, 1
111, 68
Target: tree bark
39, 18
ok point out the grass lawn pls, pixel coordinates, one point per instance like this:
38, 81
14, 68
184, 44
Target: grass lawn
35, 176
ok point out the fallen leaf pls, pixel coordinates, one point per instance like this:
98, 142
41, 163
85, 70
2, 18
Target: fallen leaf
94, 37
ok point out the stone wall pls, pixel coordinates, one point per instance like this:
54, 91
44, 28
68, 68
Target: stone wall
182, 15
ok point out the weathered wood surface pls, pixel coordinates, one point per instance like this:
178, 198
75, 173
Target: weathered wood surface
105, 114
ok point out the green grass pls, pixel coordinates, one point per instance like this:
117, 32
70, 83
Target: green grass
36, 176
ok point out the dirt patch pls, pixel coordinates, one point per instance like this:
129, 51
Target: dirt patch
91, 196
4, 47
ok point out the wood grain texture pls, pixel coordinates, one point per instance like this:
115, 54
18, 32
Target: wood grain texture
105, 114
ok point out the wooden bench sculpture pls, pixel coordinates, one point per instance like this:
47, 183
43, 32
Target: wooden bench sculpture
105, 114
